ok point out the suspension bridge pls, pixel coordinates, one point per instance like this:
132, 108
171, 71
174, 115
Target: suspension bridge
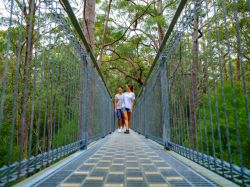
191, 121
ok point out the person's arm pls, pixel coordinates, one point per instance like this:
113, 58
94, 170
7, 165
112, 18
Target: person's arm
133, 103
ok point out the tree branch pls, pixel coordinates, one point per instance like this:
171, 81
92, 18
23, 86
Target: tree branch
156, 47
127, 75
22, 7
128, 59
126, 30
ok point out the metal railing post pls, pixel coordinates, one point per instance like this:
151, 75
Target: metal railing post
85, 103
165, 102
144, 115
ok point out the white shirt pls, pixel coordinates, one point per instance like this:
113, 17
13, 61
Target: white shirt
128, 98
120, 101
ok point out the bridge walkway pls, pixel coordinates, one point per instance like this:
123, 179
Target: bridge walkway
122, 160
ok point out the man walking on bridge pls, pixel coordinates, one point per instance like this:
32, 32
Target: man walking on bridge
119, 108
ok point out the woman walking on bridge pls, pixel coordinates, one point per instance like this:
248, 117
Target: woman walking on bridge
129, 98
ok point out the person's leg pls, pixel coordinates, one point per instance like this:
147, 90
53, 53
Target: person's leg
119, 126
129, 116
122, 120
125, 114
119, 123
122, 117
118, 118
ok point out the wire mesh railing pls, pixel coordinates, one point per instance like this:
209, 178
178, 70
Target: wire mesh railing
196, 98
51, 89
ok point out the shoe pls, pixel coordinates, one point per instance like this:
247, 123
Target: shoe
120, 130
127, 131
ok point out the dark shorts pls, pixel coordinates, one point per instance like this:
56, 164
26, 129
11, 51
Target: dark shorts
119, 113
127, 109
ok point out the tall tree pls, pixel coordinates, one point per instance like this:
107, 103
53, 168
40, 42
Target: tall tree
105, 28
89, 32
28, 9
159, 25
89, 22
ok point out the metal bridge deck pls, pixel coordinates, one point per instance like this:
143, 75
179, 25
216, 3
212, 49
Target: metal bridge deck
124, 160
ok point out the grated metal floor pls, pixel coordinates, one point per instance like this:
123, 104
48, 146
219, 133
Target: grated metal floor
125, 160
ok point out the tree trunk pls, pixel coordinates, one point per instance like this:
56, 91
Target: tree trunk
23, 141
160, 28
89, 22
238, 68
104, 31
224, 66
205, 78
193, 90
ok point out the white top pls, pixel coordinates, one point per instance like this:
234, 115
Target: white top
128, 98
120, 101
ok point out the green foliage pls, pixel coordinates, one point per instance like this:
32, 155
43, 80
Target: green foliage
131, 39
52, 57
235, 120
207, 112
4, 148
157, 19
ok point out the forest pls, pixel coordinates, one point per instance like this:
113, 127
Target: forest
209, 83
42, 76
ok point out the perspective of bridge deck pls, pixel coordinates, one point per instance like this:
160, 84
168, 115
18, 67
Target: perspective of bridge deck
123, 160
190, 123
